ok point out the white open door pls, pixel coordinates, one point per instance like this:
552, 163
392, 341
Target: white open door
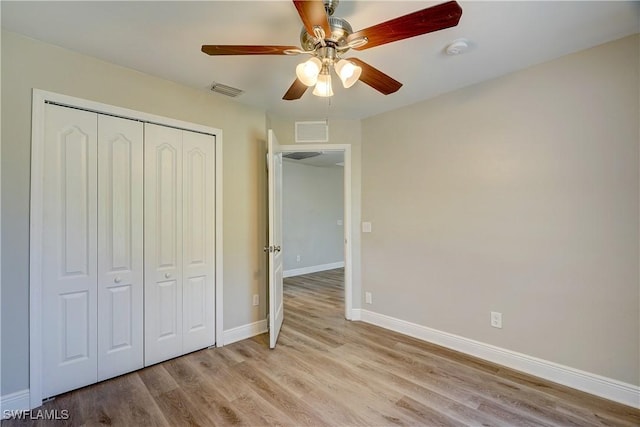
276, 307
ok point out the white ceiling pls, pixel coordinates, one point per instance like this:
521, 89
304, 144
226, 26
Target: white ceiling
164, 39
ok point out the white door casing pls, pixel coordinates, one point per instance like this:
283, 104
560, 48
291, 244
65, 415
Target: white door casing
276, 294
69, 243
163, 243
198, 233
120, 246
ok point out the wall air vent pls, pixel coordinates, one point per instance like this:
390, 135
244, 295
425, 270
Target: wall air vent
299, 155
312, 131
226, 90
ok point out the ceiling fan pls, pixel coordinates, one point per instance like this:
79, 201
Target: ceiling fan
327, 38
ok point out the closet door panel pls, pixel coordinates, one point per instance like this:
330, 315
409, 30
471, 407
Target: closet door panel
120, 250
198, 240
163, 243
69, 250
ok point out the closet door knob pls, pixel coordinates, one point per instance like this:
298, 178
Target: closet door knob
117, 279
167, 275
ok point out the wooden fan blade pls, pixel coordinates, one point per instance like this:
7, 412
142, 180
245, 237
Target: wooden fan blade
376, 78
296, 91
312, 13
217, 49
424, 21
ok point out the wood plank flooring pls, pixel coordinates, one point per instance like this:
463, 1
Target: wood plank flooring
327, 371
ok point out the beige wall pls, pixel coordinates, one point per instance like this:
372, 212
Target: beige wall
28, 64
312, 203
518, 195
340, 132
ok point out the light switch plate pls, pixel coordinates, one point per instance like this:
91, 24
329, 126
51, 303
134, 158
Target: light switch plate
366, 227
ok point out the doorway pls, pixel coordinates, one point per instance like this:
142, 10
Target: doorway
334, 150
313, 222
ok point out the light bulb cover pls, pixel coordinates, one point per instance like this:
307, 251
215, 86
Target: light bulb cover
348, 72
323, 86
307, 72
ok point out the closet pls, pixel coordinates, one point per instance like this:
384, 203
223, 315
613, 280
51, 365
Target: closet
127, 245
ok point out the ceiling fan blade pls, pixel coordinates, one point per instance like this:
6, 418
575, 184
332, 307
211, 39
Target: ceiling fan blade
217, 49
296, 91
424, 21
313, 14
376, 78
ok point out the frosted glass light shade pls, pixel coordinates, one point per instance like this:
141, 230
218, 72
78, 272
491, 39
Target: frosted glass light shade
323, 87
348, 72
308, 71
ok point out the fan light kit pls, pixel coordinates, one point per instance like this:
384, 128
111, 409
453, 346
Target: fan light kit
318, 72
326, 38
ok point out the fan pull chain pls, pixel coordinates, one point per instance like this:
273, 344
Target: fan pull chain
328, 109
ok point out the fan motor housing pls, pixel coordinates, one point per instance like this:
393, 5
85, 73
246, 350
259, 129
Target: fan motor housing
340, 30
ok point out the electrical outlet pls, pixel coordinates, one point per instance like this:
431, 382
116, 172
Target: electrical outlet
297, 258
496, 319
367, 297
256, 299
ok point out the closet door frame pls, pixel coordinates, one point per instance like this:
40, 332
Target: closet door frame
39, 99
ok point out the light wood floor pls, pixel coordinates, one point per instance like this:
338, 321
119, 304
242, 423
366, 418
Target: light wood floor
328, 371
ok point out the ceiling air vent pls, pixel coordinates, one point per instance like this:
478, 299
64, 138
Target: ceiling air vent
312, 131
299, 155
226, 90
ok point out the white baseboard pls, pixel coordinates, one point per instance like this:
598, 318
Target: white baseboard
312, 269
18, 401
243, 332
618, 391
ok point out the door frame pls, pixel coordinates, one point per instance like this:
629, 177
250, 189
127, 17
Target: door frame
348, 210
39, 99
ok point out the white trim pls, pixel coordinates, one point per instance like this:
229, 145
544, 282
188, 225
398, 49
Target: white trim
348, 207
356, 314
35, 245
40, 97
18, 401
219, 280
618, 391
243, 332
312, 269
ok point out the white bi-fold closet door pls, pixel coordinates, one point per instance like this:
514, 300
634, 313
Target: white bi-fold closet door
179, 242
127, 246
92, 248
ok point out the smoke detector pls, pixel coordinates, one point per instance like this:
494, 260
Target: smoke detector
457, 47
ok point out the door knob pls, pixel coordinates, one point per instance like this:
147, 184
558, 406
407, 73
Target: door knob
117, 279
267, 249
277, 249
167, 275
